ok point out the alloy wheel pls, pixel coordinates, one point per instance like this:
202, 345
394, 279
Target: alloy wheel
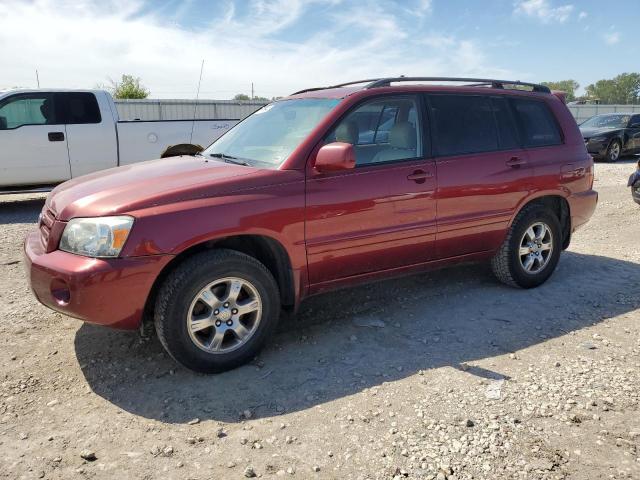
536, 247
224, 315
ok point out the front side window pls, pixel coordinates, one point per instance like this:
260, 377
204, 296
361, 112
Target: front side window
381, 130
463, 124
28, 109
271, 134
537, 125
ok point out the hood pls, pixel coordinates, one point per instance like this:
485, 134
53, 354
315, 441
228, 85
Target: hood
594, 132
143, 185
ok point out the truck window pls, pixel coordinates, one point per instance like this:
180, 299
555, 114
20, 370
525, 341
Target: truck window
78, 108
27, 109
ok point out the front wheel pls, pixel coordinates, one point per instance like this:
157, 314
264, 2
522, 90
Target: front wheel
530, 252
216, 310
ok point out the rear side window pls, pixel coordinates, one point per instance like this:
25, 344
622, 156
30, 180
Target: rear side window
78, 108
537, 125
463, 124
507, 130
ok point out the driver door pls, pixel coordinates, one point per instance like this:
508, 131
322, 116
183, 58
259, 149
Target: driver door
33, 144
381, 215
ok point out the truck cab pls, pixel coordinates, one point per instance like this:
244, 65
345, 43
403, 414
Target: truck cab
48, 137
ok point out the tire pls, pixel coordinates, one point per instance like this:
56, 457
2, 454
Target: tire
614, 151
510, 267
196, 316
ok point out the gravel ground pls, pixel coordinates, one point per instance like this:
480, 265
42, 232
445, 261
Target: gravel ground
448, 375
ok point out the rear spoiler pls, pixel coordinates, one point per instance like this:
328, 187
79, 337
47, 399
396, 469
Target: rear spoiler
561, 95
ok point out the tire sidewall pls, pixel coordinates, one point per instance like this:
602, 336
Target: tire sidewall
177, 338
520, 276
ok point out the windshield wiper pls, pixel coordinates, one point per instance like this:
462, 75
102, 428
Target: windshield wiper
230, 159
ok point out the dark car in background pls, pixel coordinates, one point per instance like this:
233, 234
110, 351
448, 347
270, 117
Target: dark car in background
612, 135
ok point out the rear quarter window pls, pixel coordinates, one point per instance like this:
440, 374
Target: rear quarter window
78, 108
537, 124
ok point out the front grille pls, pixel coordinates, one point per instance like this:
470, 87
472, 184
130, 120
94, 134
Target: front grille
45, 224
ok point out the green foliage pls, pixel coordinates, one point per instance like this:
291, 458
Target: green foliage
623, 89
245, 97
567, 86
128, 87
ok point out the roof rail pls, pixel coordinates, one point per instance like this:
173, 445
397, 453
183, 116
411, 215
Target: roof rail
337, 86
477, 82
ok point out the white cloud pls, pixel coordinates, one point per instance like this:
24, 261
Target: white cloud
582, 16
543, 11
78, 45
611, 38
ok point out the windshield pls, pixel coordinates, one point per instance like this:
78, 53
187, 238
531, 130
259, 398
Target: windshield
269, 136
607, 121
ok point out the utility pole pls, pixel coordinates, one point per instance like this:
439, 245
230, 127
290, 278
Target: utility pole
37, 78
251, 90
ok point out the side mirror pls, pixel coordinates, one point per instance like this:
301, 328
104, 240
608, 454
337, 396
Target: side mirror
335, 156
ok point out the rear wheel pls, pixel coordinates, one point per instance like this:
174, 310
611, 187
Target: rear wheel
216, 310
530, 253
613, 150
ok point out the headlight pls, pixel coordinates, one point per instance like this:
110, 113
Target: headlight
599, 139
96, 237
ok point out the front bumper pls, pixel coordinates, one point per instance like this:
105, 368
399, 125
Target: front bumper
110, 292
597, 149
582, 205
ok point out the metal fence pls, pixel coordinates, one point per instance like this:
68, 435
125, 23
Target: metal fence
582, 112
234, 109
185, 109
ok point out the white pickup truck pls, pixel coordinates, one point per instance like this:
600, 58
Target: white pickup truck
49, 136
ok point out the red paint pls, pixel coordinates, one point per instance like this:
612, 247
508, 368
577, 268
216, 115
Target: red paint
339, 225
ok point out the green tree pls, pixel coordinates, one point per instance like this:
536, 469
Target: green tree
623, 89
245, 97
128, 87
567, 86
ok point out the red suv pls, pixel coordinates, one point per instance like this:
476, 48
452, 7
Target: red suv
326, 188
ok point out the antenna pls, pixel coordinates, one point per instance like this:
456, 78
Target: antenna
37, 78
195, 107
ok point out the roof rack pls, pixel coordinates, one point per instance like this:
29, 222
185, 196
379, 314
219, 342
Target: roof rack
476, 82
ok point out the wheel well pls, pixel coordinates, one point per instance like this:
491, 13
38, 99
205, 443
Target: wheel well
560, 207
264, 249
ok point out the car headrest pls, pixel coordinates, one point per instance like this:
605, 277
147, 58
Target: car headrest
45, 109
402, 135
347, 132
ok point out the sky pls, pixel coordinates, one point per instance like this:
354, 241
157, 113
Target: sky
286, 45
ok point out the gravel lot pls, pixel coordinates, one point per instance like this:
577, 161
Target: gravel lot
448, 375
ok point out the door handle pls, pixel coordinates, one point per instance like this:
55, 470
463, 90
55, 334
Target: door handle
419, 176
515, 162
56, 137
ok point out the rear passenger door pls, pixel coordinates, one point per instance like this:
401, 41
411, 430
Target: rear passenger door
92, 140
483, 172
